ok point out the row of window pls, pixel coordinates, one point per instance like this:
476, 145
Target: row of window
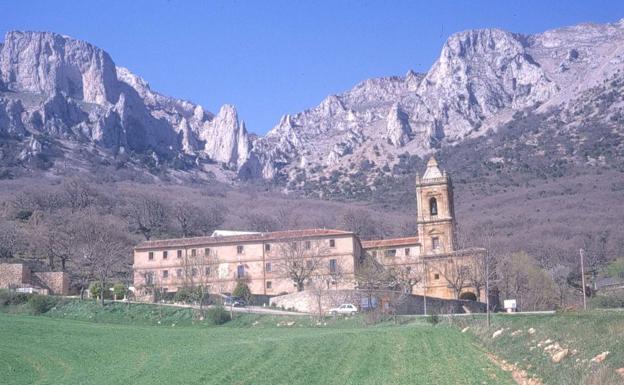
240, 270
178, 272
240, 249
165, 254
435, 245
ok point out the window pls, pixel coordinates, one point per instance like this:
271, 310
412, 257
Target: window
308, 245
436, 276
433, 206
193, 253
165, 254
179, 253
149, 278
407, 251
240, 249
267, 247
391, 253
165, 273
207, 251
207, 271
309, 264
194, 272
332, 243
178, 273
150, 255
269, 284
333, 266
268, 267
240, 271
435, 243
408, 270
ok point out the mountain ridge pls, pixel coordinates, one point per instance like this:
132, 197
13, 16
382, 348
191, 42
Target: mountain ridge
57, 89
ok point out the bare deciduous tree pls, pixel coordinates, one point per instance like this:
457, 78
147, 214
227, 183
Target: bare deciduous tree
9, 239
148, 215
370, 276
363, 224
194, 220
53, 238
300, 260
261, 222
403, 278
76, 194
103, 249
595, 247
522, 279
199, 270
456, 271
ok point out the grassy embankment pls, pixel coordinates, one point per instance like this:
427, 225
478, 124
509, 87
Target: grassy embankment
584, 335
79, 343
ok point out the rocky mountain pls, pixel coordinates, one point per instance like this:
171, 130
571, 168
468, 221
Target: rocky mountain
64, 101
482, 81
57, 92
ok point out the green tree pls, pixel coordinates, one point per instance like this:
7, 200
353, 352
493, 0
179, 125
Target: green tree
119, 290
242, 291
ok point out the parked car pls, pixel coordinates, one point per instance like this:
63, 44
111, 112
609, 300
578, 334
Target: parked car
345, 308
234, 301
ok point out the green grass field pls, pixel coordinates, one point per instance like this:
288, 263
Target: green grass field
585, 335
250, 350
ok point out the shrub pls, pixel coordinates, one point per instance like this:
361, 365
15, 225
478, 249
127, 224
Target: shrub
119, 290
218, 315
23, 215
186, 295
607, 301
40, 304
242, 291
433, 319
8, 298
95, 290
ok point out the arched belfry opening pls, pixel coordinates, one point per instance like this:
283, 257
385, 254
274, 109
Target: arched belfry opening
433, 207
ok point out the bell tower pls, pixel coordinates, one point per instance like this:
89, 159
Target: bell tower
436, 213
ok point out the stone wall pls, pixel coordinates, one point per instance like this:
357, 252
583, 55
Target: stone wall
57, 282
13, 275
308, 302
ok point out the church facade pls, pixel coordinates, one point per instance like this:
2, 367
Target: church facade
276, 263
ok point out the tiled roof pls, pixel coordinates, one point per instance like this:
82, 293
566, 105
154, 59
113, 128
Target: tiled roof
207, 240
390, 242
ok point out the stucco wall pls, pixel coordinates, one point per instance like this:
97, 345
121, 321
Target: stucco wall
225, 259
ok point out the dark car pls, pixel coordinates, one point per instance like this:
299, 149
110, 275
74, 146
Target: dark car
234, 301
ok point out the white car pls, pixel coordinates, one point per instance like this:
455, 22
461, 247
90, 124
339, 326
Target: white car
345, 308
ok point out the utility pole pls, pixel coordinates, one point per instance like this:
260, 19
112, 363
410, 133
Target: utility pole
583, 280
486, 256
425, 288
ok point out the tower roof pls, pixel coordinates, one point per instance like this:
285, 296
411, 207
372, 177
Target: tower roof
432, 170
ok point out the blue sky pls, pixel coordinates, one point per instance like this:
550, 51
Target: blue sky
269, 58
